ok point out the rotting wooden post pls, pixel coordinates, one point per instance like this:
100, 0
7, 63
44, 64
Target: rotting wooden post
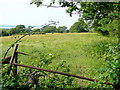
12, 58
15, 66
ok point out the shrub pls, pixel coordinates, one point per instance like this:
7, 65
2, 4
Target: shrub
34, 79
109, 70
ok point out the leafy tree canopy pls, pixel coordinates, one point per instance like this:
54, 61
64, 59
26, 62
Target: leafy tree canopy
29, 29
61, 29
4, 32
99, 14
79, 26
36, 30
21, 27
49, 29
13, 31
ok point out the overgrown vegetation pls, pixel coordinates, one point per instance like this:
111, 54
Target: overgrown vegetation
80, 51
108, 52
30, 78
103, 17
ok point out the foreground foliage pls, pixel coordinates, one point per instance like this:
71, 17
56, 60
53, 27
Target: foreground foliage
30, 78
110, 68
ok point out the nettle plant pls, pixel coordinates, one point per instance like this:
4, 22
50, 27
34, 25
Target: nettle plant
30, 78
109, 70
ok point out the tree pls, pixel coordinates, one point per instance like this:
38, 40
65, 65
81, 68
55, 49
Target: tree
49, 29
93, 12
61, 29
36, 30
29, 29
3, 32
13, 31
101, 14
79, 26
20, 28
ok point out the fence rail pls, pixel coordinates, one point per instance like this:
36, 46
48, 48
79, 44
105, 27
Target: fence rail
71, 75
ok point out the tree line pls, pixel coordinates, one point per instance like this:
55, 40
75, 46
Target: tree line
77, 27
21, 29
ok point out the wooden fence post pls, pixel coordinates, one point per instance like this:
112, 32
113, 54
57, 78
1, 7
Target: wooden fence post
15, 66
12, 58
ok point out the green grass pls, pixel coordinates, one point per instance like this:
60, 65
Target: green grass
75, 49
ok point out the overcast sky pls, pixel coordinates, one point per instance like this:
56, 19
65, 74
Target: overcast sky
14, 12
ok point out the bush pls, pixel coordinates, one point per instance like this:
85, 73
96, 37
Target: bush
34, 79
109, 70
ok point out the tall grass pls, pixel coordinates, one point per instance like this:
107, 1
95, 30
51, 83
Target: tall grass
78, 50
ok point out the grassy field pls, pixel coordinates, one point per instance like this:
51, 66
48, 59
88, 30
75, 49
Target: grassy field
76, 49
